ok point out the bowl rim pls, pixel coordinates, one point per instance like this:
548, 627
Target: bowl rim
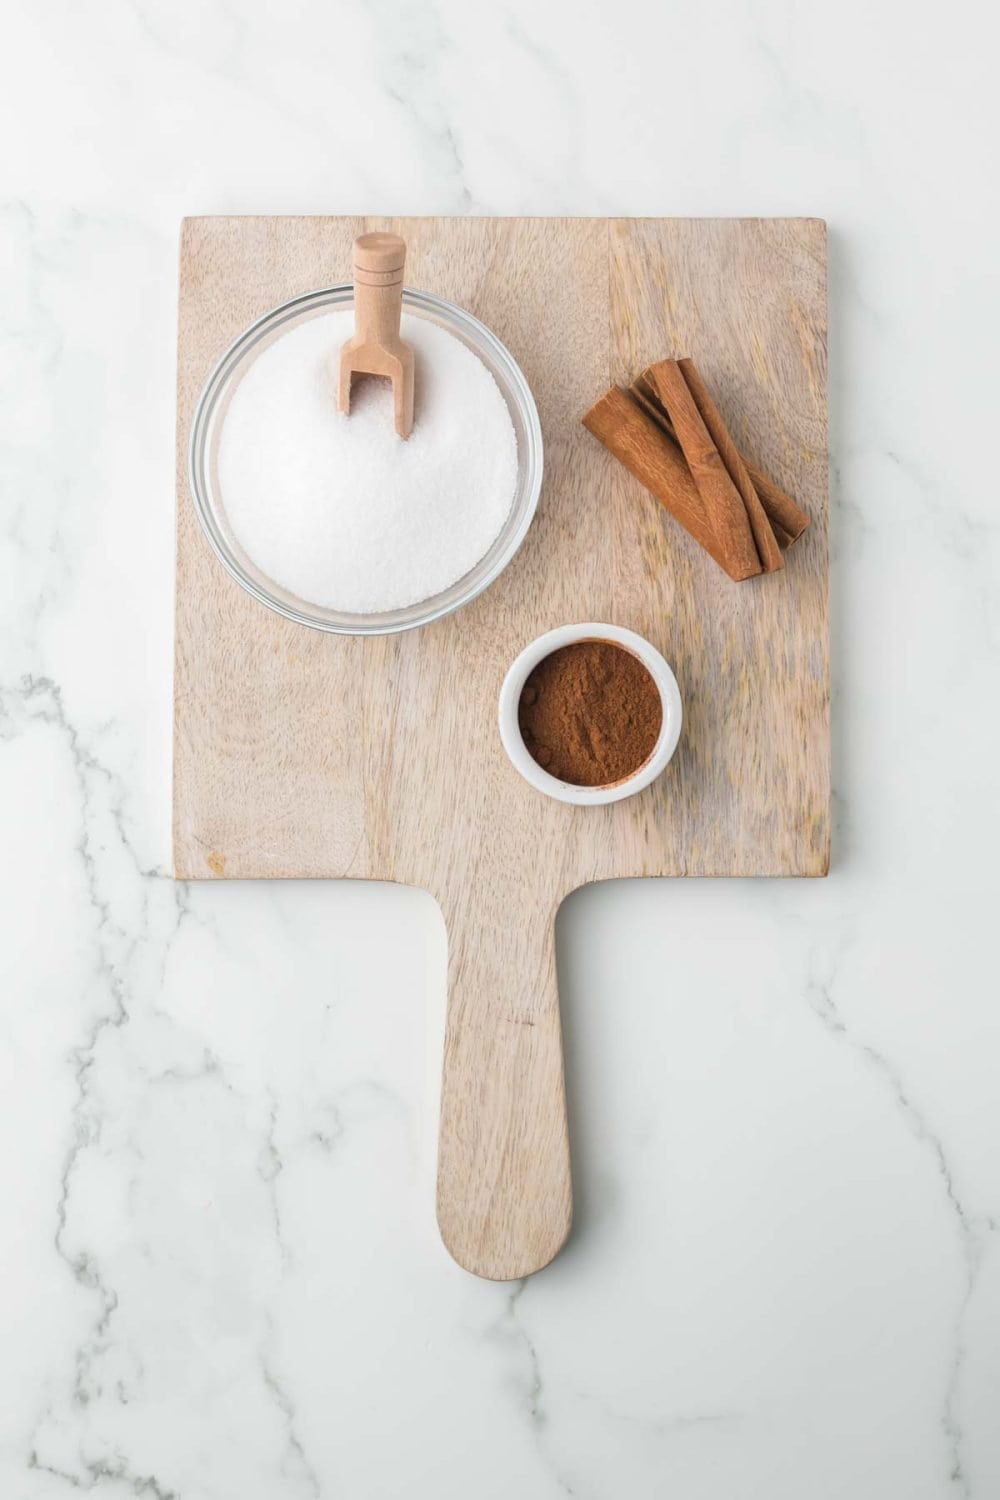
667, 739
318, 617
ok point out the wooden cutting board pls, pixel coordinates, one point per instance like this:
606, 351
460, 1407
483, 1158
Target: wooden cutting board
303, 754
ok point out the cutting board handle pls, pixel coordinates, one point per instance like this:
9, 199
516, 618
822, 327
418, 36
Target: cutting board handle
504, 1198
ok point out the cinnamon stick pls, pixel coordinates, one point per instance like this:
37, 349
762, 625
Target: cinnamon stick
764, 538
728, 505
788, 520
631, 436
724, 505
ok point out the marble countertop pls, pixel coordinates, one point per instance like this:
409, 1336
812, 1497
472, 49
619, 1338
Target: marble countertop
221, 1278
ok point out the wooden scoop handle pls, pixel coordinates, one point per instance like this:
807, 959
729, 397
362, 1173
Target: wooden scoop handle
378, 289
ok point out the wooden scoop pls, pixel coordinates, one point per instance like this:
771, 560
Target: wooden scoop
376, 348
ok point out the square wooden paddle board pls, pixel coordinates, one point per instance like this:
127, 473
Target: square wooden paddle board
298, 753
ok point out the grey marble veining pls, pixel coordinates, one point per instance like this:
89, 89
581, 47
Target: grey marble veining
219, 1271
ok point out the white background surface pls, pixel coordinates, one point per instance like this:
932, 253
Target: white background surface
219, 1272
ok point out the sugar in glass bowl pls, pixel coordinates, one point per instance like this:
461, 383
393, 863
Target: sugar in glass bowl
209, 500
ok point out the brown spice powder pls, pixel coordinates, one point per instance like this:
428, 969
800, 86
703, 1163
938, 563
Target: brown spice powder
590, 713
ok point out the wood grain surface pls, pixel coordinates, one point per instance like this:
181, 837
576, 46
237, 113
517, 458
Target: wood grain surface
303, 754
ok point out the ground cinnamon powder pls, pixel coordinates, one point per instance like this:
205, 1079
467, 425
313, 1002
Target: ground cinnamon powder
590, 713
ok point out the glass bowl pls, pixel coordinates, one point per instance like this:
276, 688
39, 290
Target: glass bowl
209, 501
204, 471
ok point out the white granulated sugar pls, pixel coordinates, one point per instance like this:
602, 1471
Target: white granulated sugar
339, 509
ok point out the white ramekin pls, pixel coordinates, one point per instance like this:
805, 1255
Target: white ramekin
524, 761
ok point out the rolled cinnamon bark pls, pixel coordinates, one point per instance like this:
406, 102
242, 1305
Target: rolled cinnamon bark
638, 443
763, 535
788, 520
724, 506
728, 505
